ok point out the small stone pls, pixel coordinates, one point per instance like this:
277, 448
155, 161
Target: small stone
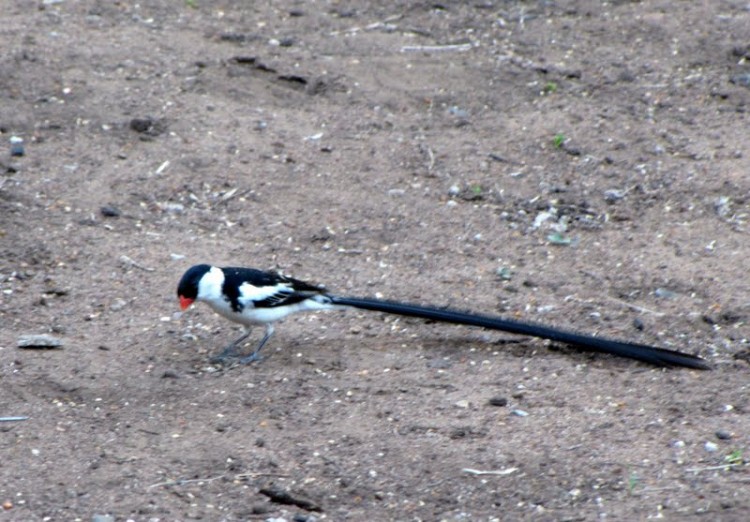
102, 518
612, 195
148, 126
741, 79
118, 304
723, 435
459, 433
16, 146
39, 341
458, 112
665, 294
504, 273
520, 413
141, 124
173, 208
498, 401
110, 211
711, 447
462, 404
723, 206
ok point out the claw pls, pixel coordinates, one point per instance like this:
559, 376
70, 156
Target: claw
230, 352
253, 357
223, 357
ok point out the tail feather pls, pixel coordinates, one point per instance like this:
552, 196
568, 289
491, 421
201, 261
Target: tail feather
640, 352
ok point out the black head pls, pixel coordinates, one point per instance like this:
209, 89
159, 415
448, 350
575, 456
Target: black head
187, 290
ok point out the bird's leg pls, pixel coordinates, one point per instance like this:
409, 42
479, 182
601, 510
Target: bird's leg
255, 356
230, 352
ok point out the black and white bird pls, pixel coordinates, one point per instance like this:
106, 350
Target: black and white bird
253, 297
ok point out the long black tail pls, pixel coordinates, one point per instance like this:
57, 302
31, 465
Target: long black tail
640, 352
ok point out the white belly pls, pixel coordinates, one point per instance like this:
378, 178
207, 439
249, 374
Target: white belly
250, 316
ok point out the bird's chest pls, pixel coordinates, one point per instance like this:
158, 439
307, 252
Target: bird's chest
224, 308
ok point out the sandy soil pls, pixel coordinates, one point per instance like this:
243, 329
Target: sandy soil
575, 163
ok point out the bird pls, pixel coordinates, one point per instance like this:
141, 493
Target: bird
253, 297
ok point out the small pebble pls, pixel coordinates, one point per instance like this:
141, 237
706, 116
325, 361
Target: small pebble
498, 401
173, 208
664, 293
612, 195
39, 341
711, 447
741, 79
102, 518
723, 435
16, 146
520, 413
118, 304
110, 211
141, 124
504, 273
458, 112
723, 206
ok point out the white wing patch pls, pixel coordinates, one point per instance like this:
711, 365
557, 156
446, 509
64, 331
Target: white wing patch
251, 294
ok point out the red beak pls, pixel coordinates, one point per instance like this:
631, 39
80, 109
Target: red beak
185, 302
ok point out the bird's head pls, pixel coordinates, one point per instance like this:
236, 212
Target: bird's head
187, 290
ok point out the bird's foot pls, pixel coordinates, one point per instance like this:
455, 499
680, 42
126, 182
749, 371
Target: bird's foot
227, 356
253, 357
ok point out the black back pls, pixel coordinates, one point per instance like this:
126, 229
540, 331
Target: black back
296, 292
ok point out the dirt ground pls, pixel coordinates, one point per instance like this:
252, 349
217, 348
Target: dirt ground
575, 163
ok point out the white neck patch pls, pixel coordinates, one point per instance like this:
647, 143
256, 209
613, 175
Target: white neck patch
210, 285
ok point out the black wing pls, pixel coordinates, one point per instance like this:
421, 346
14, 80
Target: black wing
250, 287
